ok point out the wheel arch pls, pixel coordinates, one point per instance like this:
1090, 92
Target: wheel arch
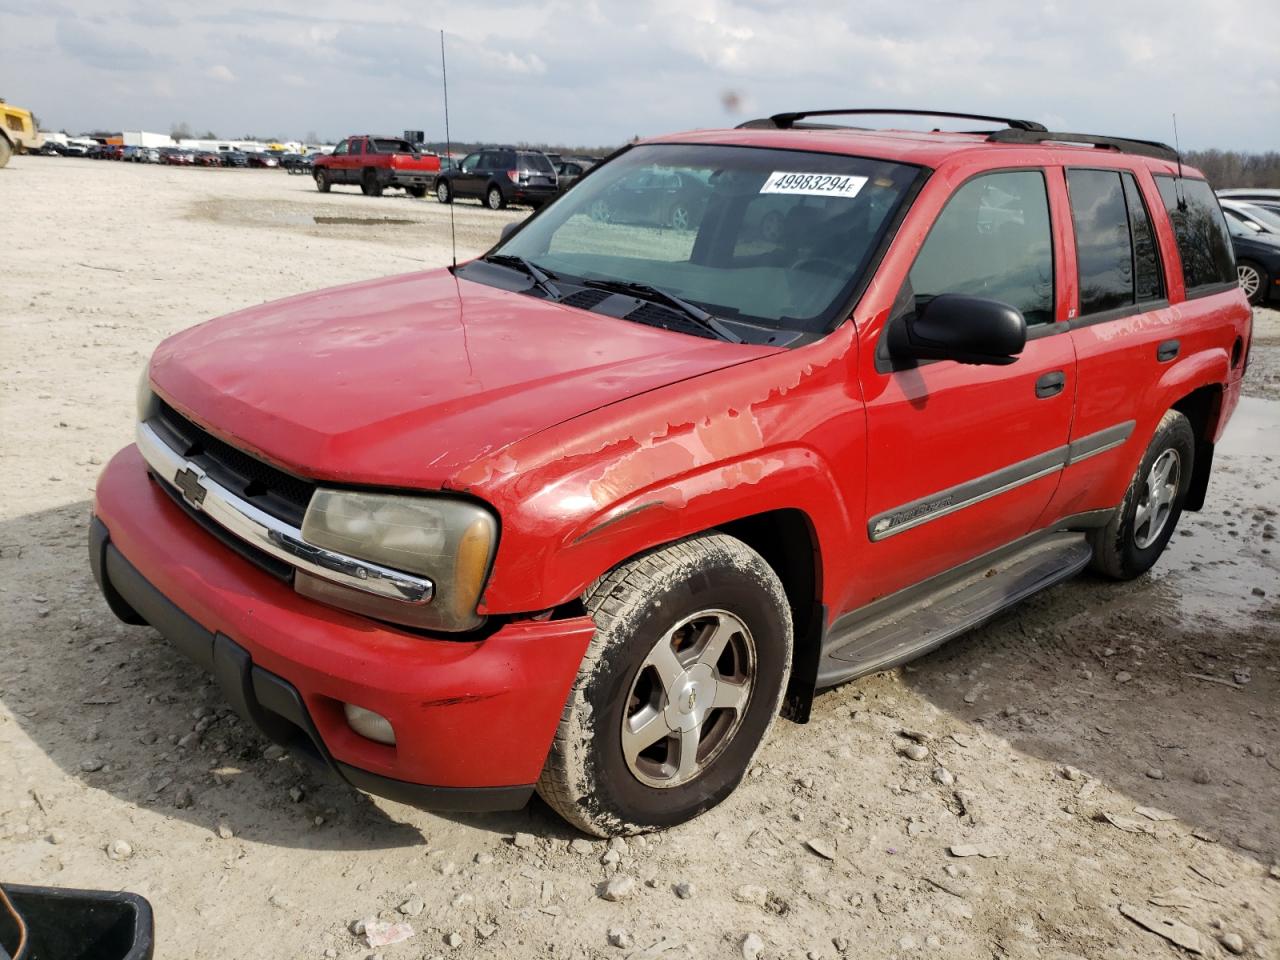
1203, 408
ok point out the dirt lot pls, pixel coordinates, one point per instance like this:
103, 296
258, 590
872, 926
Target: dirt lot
1101, 746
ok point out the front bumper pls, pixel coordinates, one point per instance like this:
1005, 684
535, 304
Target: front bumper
473, 719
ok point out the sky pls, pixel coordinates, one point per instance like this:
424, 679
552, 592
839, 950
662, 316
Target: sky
598, 72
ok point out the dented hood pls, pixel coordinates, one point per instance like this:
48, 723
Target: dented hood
406, 380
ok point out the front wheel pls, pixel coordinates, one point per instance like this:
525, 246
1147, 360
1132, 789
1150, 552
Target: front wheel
677, 690
6, 150
322, 181
1129, 545
1253, 281
494, 198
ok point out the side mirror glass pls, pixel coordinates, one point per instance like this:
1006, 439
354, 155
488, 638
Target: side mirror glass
508, 229
964, 329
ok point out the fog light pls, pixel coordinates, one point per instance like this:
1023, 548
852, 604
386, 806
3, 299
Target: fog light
369, 724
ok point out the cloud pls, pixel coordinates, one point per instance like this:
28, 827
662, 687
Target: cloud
596, 72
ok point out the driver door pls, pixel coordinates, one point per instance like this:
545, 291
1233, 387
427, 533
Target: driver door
962, 458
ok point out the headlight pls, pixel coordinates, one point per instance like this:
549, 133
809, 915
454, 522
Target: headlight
147, 404
450, 541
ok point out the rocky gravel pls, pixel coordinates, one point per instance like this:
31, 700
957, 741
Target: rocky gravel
998, 798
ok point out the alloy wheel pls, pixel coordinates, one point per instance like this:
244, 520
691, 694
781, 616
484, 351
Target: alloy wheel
688, 698
1250, 280
1155, 503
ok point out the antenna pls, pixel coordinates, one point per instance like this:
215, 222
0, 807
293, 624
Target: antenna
448, 146
1182, 199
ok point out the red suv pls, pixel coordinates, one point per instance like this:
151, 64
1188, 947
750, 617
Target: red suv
585, 514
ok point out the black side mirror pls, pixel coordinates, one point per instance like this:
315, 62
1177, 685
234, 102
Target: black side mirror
964, 329
508, 229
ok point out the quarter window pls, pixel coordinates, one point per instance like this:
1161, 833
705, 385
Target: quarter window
992, 240
1204, 245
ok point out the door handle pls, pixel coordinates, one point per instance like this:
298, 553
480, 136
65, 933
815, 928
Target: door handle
1050, 384
1167, 351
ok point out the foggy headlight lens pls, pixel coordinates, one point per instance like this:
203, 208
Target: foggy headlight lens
146, 400
448, 541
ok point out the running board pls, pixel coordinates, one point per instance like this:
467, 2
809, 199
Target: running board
914, 621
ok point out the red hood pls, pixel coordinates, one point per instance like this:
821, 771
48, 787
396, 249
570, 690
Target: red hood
406, 380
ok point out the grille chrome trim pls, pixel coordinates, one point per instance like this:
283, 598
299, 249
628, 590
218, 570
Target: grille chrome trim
270, 535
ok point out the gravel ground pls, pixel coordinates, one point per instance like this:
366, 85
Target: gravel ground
1099, 761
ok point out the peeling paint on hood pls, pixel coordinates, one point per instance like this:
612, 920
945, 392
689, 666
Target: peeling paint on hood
339, 384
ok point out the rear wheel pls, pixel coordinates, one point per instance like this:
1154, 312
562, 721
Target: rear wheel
370, 185
322, 181
677, 690
444, 192
494, 199
418, 192
6, 150
1253, 281
1129, 545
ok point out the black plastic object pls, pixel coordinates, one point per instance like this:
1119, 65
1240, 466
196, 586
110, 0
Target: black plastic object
785, 121
967, 329
77, 924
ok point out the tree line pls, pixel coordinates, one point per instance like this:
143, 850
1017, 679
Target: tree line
1235, 168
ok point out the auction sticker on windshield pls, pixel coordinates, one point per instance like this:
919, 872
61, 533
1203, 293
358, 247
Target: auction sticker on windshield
813, 184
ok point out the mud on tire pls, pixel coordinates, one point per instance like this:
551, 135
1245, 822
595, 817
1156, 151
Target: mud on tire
587, 778
1129, 545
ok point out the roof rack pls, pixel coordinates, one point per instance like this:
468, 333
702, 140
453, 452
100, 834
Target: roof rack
785, 121
1143, 148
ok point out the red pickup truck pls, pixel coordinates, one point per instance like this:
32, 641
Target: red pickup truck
585, 514
375, 163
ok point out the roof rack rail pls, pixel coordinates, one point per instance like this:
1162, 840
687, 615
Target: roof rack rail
1143, 148
785, 121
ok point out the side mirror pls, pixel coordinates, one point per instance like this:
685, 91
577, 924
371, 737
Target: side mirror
508, 229
965, 329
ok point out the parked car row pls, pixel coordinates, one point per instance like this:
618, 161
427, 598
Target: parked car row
179, 156
1253, 219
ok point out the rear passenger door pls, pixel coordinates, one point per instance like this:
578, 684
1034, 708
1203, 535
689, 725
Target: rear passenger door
962, 459
1124, 333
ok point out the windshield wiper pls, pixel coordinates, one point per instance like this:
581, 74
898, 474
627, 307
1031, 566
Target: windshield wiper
541, 279
646, 291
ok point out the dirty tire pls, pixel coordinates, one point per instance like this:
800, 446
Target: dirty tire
586, 778
6, 150
369, 184
1117, 552
322, 181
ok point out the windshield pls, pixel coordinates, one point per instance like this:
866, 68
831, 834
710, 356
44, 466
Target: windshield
771, 238
1270, 222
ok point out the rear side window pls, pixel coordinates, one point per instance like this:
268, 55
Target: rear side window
992, 240
1204, 245
1147, 280
1104, 250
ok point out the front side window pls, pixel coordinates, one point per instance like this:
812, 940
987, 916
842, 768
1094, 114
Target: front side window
470, 163
342, 148
992, 240
772, 239
1204, 244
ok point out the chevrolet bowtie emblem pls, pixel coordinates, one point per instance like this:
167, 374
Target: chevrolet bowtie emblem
193, 491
